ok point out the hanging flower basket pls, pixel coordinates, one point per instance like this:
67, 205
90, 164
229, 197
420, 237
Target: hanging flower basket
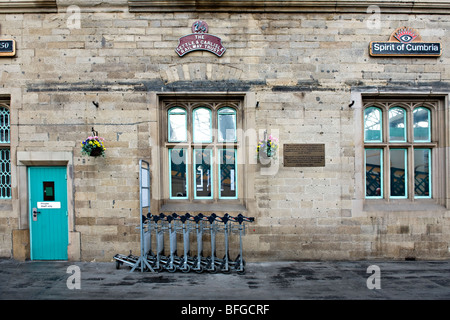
93, 147
267, 148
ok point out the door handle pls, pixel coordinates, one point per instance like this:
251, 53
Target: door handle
35, 212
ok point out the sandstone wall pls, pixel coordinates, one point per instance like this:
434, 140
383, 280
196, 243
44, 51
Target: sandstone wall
302, 68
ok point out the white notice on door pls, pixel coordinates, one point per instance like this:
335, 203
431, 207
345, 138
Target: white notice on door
49, 205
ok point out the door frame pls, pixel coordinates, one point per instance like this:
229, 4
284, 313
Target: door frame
26, 159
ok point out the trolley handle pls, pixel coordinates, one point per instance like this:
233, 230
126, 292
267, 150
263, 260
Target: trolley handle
212, 218
240, 218
199, 217
226, 217
185, 217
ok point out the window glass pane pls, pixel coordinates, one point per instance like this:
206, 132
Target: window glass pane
421, 118
227, 173
372, 125
397, 125
202, 125
4, 125
227, 125
177, 125
178, 173
5, 174
422, 178
49, 191
398, 173
374, 173
203, 173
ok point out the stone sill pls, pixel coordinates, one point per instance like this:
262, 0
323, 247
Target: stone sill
203, 208
398, 205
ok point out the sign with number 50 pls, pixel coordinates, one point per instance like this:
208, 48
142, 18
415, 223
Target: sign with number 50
7, 48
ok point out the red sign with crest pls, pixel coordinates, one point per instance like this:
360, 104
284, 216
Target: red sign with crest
199, 39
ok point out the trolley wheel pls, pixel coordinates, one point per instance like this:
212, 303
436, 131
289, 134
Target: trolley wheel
171, 269
213, 269
223, 270
185, 269
241, 271
118, 263
200, 270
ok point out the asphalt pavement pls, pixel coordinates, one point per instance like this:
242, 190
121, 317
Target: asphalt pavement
291, 280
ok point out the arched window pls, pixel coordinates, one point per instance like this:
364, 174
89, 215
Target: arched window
226, 119
399, 149
397, 125
177, 125
203, 146
202, 130
373, 125
421, 124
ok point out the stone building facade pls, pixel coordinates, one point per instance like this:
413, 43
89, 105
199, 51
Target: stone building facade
299, 71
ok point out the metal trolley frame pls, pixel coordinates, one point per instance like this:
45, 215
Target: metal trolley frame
168, 226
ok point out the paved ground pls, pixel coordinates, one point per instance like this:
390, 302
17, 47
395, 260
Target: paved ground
330, 280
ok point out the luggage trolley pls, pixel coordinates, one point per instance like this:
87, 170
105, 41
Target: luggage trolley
161, 226
129, 260
225, 263
212, 261
172, 260
199, 260
239, 262
144, 202
158, 229
186, 260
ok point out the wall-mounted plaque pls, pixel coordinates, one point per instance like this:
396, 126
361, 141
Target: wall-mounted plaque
405, 42
7, 48
304, 155
200, 40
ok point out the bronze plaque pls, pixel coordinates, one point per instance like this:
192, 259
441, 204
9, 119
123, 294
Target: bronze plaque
304, 155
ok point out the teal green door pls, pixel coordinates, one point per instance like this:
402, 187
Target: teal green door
49, 230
